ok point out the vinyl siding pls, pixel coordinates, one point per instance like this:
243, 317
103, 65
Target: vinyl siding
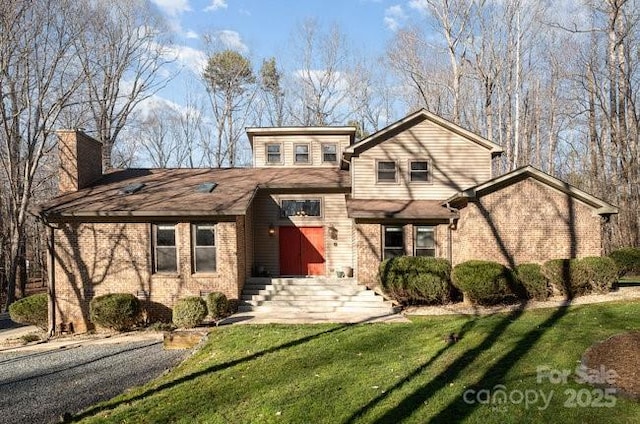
456, 163
289, 141
266, 211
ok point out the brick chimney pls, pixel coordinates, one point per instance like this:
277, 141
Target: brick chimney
80, 160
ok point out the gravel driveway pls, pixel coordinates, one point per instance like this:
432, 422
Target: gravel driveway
38, 387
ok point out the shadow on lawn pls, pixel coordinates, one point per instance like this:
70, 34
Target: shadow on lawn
94, 410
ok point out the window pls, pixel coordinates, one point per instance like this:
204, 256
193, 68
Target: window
273, 153
419, 171
300, 208
302, 153
393, 242
329, 153
164, 248
386, 172
425, 241
204, 247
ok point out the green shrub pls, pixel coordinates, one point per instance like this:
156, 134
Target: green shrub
600, 273
563, 275
627, 259
119, 311
218, 305
189, 312
486, 282
417, 279
533, 280
31, 310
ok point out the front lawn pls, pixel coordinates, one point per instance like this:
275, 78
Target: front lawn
389, 373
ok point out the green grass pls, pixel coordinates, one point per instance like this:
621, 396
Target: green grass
381, 373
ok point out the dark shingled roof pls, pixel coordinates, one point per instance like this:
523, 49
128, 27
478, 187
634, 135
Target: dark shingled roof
174, 192
405, 209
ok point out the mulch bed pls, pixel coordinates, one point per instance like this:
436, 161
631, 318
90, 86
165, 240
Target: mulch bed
622, 354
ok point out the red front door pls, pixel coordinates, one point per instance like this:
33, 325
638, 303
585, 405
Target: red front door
301, 251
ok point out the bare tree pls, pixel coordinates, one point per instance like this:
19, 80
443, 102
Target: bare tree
121, 50
37, 81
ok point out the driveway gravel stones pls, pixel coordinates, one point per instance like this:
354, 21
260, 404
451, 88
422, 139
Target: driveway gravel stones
41, 386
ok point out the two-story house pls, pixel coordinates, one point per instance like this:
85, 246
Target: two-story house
316, 202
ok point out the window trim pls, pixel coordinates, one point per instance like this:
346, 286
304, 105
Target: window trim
295, 154
154, 248
415, 240
266, 154
318, 199
194, 247
429, 171
322, 152
377, 171
384, 243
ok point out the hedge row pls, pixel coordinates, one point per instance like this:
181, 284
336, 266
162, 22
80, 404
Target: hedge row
412, 280
627, 259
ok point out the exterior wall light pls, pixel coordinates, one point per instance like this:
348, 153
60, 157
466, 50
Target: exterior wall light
272, 230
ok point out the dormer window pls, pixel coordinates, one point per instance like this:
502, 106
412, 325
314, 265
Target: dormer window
274, 154
329, 153
387, 171
301, 153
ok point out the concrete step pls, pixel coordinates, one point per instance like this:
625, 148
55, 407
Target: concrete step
301, 281
316, 303
293, 310
311, 290
364, 297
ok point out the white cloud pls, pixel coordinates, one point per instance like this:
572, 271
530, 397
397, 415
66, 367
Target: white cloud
231, 40
421, 6
186, 56
393, 17
191, 34
215, 5
173, 7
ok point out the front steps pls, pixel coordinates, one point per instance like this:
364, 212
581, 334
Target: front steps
311, 295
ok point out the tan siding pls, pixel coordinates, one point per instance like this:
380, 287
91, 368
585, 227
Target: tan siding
338, 252
456, 164
288, 141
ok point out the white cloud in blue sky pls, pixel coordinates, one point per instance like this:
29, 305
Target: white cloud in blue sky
394, 16
215, 5
173, 7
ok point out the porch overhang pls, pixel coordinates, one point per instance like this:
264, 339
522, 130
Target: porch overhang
399, 209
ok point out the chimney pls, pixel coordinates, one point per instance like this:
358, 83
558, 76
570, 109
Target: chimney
80, 160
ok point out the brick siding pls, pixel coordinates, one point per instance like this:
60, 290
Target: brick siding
101, 258
526, 222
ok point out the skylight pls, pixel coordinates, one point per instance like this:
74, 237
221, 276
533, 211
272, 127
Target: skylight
206, 187
132, 188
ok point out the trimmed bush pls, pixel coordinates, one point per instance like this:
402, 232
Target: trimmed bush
600, 273
578, 277
533, 280
417, 279
118, 311
218, 305
31, 310
189, 312
563, 274
486, 282
627, 259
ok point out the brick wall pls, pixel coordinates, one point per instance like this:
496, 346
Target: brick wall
368, 252
526, 222
97, 259
80, 160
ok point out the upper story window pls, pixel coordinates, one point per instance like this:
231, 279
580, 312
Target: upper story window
393, 239
274, 153
386, 171
425, 241
301, 153
419, 171
165, 255
307, 207
204, 247
329, 153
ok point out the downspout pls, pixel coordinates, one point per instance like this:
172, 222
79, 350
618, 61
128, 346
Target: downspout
452, 225
51, 286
